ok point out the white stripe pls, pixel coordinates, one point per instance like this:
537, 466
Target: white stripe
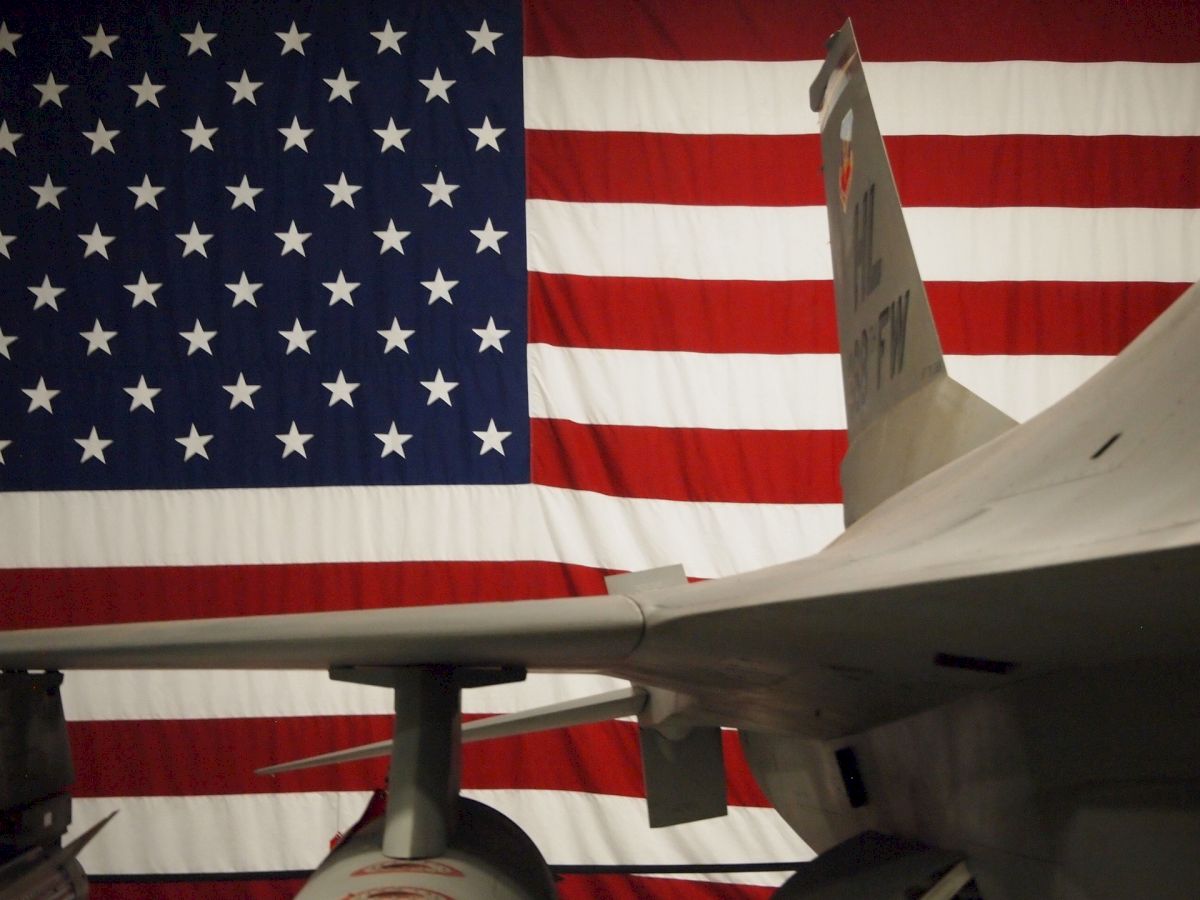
649, 240
723, 97
1023, 386
686, 390
759, 391
281, 832
372, 524
237, 694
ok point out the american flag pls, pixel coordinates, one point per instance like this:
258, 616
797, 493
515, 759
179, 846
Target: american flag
628, 287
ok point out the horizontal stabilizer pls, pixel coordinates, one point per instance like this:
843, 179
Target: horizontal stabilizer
581, 711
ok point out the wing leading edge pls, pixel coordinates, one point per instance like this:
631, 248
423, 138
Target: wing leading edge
576, 633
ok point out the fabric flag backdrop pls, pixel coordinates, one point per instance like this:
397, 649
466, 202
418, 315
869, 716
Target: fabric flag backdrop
312, 307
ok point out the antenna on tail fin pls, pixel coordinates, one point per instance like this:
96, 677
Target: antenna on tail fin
905, 416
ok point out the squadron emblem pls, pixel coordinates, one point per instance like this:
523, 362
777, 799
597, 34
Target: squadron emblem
847, 169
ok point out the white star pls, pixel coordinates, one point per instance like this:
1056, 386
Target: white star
6, 341
194, 443
142, 395
243, 194
98, 339
395, 336
143, 291
294, 441
40, 396
393, 441
440, 191
244, 290
47, 194
340, 289
293, 240
201, 136
93, 447
194, 241
392, 136
101, 42
51, 91
8, 39
297, 338
486, 135
5, 240
198, 339
241, 393
4, 445
342, 192
46, 295
101, 138
439, 389
96, 242
340, 390
388, 39
493, 438
147, 92
491, 335
199, 40
340, 87
437, 86
391, 239
439, 288
485, 39
8, 139
296, 136
292, 40
146, 194
489, 238
244, 89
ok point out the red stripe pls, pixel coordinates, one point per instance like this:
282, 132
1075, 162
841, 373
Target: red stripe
1040, 317
1090, 318
1046, 170
626, 887
647, 167
967, 30
930, 170
41, 598
242, 888
125, 758
689, 464
676, 314
570, 887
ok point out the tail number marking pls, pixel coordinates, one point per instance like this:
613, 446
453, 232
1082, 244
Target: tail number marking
882, 343
868, 269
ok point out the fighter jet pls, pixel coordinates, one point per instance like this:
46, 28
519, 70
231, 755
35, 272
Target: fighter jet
992, 676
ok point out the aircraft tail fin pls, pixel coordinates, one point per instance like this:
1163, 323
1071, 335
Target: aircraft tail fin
905, 416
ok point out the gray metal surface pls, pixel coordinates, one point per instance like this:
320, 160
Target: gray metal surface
601, 629
423, 775
905, 416
684, 776
488, 858
582, 711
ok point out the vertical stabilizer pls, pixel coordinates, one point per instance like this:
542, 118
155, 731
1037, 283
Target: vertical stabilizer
905, 417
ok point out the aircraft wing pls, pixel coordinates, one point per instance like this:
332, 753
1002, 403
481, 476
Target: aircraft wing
578, 633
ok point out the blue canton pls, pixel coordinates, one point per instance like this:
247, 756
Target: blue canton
260, 245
